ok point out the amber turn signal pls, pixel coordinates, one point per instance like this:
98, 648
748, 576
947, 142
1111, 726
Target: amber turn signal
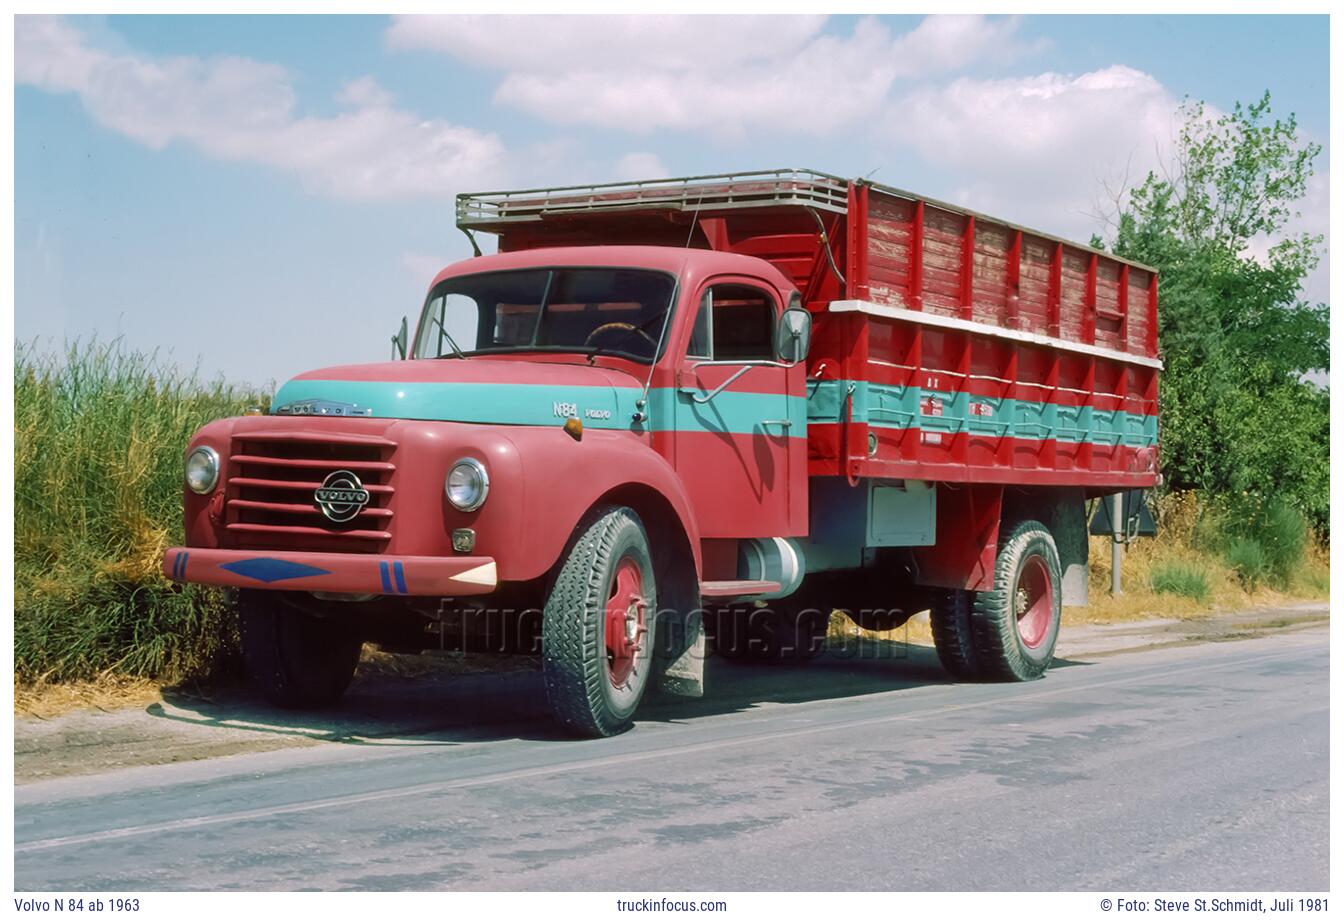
574, 428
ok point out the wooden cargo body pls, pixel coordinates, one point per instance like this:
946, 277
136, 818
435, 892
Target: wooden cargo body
949, 346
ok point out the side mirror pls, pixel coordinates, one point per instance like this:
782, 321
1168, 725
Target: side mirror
794, 335
399, 342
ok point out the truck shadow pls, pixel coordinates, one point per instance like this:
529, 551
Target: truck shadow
444, 707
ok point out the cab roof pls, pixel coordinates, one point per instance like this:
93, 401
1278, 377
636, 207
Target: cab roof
691, 264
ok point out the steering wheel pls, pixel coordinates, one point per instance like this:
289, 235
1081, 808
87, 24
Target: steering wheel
618, 325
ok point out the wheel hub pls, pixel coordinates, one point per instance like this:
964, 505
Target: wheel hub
625, 622
1033, 601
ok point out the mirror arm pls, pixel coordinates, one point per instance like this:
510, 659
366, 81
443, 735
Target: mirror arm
702, 398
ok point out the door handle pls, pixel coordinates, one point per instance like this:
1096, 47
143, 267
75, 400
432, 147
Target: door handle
782, 422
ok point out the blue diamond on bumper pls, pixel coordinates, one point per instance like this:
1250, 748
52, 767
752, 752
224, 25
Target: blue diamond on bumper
267, 570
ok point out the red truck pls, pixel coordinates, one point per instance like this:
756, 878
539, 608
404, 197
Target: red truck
720, 405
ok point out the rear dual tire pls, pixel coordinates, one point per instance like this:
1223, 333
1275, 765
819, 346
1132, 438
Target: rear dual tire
1007, 633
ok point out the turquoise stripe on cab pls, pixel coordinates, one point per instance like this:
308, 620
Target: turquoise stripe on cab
729, 412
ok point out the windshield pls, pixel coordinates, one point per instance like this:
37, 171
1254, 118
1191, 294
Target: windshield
618, 311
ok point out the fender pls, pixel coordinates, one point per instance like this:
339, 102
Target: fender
564, 478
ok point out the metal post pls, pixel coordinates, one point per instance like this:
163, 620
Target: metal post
1117, 534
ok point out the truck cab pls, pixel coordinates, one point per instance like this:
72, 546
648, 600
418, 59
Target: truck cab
653, 391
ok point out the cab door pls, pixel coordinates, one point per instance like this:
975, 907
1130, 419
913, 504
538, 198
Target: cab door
740, 416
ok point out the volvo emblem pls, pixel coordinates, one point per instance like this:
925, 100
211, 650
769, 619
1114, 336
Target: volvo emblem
322, 407
341, 496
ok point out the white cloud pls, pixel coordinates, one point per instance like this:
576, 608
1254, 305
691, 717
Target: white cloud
725, 73
244, 110
639, 165
1036, 149
945, 43
559, 44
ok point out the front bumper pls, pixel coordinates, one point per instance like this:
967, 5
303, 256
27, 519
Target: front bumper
336, 573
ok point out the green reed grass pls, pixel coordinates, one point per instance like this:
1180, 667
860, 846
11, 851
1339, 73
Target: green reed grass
99, 434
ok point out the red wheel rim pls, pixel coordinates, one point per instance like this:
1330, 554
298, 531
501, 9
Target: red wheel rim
625, 621
1034, 602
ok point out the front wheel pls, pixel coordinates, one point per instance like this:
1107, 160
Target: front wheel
298, 659
598, 626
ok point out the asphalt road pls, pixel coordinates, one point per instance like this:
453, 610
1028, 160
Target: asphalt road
1198, 767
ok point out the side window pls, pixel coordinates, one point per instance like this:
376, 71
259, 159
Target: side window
734, 323
701, 346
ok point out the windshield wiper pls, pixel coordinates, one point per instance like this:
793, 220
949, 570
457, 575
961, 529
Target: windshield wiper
457, 352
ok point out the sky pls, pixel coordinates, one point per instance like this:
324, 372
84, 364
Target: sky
254, 196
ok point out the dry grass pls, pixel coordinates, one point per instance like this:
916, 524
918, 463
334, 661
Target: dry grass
1182, 538
109, 692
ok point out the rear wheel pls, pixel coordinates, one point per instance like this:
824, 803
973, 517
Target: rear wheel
298, 659
598, 624
1015, 625
953, 635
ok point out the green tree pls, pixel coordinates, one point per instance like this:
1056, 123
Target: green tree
1239, 414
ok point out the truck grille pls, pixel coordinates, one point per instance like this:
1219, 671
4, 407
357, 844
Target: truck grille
270, 500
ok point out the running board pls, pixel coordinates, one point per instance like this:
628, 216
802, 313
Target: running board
739, 588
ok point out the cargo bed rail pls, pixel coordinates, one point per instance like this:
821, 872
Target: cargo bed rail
769, 188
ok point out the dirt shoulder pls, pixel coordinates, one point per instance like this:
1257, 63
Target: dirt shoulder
397, 701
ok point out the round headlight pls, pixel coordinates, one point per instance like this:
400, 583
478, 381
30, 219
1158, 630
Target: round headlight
202, 470
467, 484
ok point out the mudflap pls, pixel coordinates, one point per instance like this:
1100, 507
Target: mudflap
1068, 525
681, 653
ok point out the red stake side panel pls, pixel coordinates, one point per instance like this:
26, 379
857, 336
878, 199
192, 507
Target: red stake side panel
957, 347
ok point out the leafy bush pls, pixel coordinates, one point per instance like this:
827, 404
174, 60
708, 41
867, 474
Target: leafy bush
1278, 531
1181, 578
1249, 560
1240, 413
99, 434
1282, 530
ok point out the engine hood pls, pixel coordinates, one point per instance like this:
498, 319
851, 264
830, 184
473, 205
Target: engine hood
477, 390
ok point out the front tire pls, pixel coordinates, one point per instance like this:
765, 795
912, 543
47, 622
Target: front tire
598, 626
297, 659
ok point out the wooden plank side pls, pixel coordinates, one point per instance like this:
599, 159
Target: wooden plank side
944, 234
889, 243
1034, 286
1139, 281
1073, 295
1108, 304
989, 274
